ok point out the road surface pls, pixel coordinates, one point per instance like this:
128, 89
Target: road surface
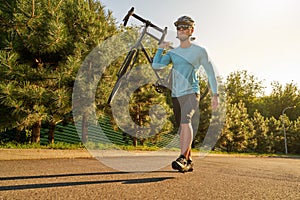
214, 177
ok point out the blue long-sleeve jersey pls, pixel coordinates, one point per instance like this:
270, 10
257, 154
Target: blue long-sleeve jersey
185, 71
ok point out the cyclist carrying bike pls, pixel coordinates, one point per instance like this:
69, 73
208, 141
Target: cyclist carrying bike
186, 61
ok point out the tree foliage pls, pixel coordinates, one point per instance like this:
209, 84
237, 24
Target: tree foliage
43, 44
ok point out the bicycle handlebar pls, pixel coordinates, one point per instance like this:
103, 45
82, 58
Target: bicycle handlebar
147, 22
126, 18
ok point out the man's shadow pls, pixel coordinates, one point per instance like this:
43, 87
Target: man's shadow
78, 183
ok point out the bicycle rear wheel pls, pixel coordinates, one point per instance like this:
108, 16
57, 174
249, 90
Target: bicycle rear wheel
125, 68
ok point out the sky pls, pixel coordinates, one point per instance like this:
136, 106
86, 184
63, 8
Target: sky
259, 36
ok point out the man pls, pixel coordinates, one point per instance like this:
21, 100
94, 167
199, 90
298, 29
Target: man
186, 59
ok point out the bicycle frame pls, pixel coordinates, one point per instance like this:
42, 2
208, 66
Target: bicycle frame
145, 32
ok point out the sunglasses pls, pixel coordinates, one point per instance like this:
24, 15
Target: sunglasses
183, 27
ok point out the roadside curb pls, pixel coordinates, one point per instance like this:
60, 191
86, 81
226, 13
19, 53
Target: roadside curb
27, 154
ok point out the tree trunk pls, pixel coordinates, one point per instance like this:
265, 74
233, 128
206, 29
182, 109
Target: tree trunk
134, 140
142, 141
36, 132
136, 134
84, 128
51, 131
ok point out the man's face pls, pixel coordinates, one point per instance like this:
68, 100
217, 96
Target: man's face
184, 32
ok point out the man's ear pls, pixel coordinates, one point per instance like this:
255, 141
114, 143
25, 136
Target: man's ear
192, 30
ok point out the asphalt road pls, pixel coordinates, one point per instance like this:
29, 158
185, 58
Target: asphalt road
214, 177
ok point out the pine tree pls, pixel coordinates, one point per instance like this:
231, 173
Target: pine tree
48, 41
261, 137
276, 135
238, 129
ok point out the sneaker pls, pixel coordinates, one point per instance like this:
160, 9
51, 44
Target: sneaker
180, 164
190, 165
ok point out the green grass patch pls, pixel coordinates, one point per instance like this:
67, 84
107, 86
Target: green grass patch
56, 145
101, 146
88, 145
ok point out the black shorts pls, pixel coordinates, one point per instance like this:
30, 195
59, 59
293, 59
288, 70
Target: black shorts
184, 107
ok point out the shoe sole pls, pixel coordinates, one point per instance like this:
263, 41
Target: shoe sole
190, 168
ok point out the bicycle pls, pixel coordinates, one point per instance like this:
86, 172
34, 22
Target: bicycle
132, 55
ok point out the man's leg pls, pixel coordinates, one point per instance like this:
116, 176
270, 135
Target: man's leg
184, 163
189, 107
185, 106
186, 139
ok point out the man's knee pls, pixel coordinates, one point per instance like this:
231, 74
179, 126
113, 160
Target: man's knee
186, 125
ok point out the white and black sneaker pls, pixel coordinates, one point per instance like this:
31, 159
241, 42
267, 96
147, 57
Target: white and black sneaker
180, 164
190, 165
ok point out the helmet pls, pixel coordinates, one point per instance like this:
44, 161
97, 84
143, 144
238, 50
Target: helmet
185, 20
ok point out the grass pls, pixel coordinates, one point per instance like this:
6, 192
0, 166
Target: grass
56, 145
64, 145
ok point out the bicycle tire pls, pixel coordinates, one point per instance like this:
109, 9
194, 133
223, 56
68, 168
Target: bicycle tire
122, 71
127, 61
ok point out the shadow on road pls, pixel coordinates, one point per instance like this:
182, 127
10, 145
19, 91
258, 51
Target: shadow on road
67, 184
59, 175
74, 174
78, 183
